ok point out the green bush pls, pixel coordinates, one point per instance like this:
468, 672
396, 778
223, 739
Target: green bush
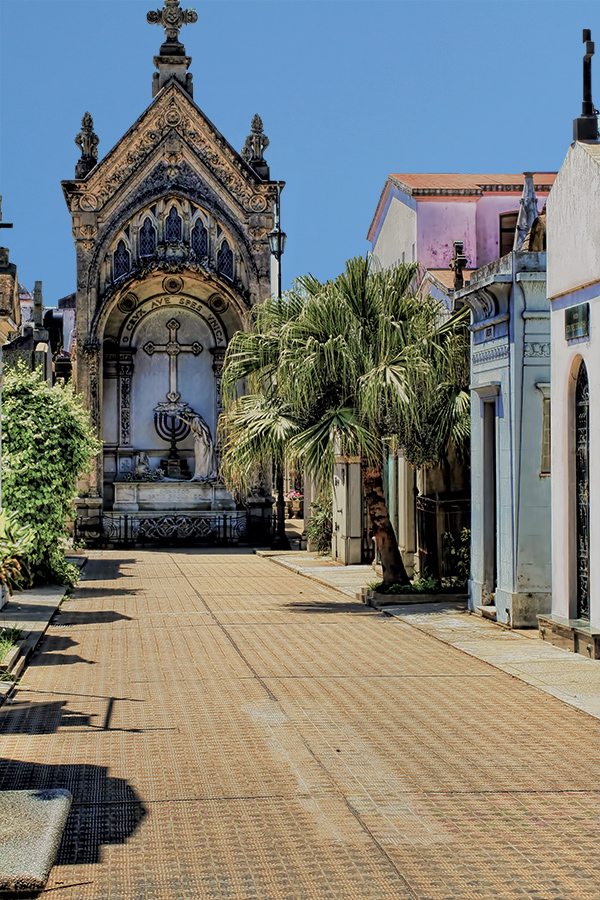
48, 441
17, 543
320, 524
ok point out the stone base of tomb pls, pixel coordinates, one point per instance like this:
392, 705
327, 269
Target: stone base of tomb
156, 496
175, 526
576, 635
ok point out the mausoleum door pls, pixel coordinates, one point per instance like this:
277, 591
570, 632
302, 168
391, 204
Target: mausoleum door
582, 495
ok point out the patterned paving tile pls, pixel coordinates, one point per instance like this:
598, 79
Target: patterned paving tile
231, 730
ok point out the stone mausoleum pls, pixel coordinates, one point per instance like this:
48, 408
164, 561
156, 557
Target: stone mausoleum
171, 233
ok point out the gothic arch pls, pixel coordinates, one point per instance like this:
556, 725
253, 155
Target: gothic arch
193, 305
222, 301
201, 200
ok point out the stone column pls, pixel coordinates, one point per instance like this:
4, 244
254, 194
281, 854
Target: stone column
406, 520
347, 510
89, 366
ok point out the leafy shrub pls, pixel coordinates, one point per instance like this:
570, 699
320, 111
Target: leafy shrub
8, 639
458, 553
48, 442
320, 524
424, 584
16, 546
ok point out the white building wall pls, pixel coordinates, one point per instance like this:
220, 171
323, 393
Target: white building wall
398, 235
573, 223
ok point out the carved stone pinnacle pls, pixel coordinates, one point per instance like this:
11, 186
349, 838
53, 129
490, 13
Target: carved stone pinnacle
87, 140
255, 146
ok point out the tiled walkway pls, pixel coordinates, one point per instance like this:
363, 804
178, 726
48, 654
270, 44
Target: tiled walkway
233, 730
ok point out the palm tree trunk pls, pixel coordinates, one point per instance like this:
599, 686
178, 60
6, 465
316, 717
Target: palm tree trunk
385, 537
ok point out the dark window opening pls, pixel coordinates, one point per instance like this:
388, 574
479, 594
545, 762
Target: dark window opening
121, 260
173, 226
508, 225
147, 239
225, 260
200, 240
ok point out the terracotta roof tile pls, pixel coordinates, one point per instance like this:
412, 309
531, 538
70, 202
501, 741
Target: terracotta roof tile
449, 181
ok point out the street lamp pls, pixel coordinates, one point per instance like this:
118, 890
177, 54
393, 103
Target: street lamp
277, 246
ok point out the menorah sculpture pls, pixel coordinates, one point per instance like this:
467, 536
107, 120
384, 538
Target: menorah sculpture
172, 425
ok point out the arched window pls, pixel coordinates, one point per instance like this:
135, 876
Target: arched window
147, 238
121, 261
582, 490
173, 226
225, 260
199, 240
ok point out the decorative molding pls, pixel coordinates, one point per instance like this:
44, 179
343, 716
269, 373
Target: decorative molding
173, 116
483, 356
537, 349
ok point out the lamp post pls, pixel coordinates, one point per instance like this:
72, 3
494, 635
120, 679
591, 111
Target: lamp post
277, 246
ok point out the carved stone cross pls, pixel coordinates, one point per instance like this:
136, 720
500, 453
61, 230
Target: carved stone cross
173, 348
172, 18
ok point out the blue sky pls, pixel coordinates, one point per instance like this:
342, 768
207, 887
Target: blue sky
349, 90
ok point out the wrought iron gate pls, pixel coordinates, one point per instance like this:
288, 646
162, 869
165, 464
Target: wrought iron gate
582, 481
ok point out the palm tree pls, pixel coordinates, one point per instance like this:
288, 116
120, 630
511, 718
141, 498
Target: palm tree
331, 368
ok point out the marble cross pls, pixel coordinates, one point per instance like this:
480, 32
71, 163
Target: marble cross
172, 348
172, 18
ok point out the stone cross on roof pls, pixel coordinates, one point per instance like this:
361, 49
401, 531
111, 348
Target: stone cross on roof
172, 18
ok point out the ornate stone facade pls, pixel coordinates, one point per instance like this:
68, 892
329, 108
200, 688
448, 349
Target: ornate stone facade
170, 226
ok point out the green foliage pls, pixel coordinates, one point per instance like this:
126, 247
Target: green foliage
424, 584
48, 442
329, 368
320, 524
16, 547
8, 639
459, 553
440, 412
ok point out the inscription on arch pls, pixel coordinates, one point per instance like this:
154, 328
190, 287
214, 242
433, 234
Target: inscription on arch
191, 303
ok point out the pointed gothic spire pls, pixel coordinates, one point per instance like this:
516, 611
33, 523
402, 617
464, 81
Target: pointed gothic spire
255, 146
87, 140
172, 61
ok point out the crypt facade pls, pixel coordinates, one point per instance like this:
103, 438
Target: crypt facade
171, 233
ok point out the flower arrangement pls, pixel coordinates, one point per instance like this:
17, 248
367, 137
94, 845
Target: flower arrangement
295, 495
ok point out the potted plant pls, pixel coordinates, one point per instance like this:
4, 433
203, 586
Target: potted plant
296, 501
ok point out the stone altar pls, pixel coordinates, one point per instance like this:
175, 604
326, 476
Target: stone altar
134, 496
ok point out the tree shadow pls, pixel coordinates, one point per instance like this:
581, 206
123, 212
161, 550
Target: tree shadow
93, 617
106, 569
98, 593
105, 810
316, 606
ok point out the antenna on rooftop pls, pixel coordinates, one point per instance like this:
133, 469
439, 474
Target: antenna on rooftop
585, 128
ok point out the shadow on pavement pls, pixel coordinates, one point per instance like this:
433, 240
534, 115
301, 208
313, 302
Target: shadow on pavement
94, 617
105, 810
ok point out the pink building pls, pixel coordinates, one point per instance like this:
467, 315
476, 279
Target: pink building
420, 215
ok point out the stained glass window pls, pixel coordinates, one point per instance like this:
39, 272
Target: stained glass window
199, 240
225, 260
121, 260
147, 238
173, 226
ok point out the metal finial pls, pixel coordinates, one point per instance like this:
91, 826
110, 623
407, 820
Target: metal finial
585, 128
